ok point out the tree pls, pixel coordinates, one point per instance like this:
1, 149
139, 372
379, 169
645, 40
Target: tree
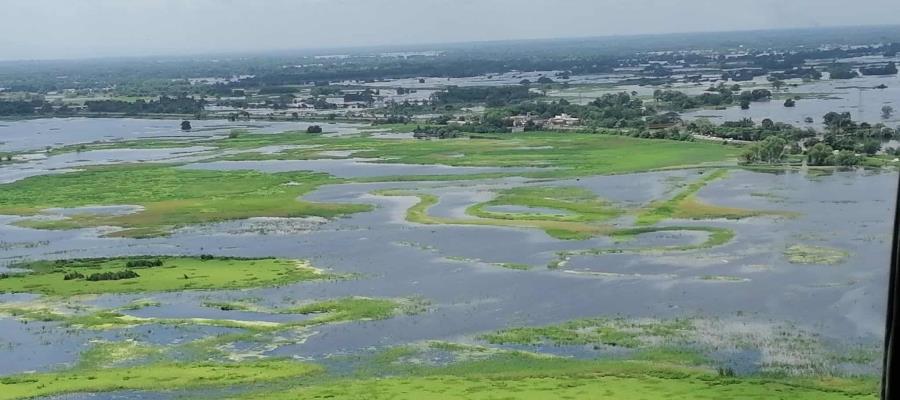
776, 83
836, 121
870, 147
886, 112
789, 103
841, 71
770, 150
544, 80
819, 154
314, 129
185, 125
846, 158
745, 104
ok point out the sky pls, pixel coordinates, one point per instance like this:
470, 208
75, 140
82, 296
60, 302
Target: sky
53, 29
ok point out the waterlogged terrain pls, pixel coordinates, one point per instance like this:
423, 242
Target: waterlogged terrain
294, 265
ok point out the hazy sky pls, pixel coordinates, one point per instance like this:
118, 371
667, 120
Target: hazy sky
31, 29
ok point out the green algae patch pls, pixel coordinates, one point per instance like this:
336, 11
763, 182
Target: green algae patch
329, 311
170, 197
808, 254
514, 266
75, 277
578, 204
156, 376
117, 354
597, 332
564, 230
356, 309
685, 205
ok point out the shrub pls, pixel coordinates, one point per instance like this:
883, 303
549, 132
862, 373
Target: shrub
73, 275
112, 276
144, 263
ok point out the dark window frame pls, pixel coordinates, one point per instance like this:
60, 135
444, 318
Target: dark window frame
891, 374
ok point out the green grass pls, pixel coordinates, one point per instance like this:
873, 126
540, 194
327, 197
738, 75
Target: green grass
171, 197
515, 266
572, 154
356, 309
717, 237
578, 204
575, 153
157, 376
566, 230
523, 376
684, 205
176, 274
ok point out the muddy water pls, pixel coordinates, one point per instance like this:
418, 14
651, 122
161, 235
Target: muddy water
451, 266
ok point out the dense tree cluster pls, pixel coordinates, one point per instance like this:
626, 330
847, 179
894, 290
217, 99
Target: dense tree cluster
19, 107
715, 97
612, 110
888, 69
770, 150
842, 71
747, 130
165, 105
798, 73
842, 133
493, 96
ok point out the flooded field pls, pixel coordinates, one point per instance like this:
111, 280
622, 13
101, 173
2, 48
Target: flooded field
462, 261
37, 134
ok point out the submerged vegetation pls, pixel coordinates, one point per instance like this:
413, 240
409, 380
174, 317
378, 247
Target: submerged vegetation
169, 197
651, 367
685, 205
575, 204
808, 254
630, 257
174, 274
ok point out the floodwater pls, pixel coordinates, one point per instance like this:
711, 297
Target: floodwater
37, 134
857, 96
747, 282
450, 266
